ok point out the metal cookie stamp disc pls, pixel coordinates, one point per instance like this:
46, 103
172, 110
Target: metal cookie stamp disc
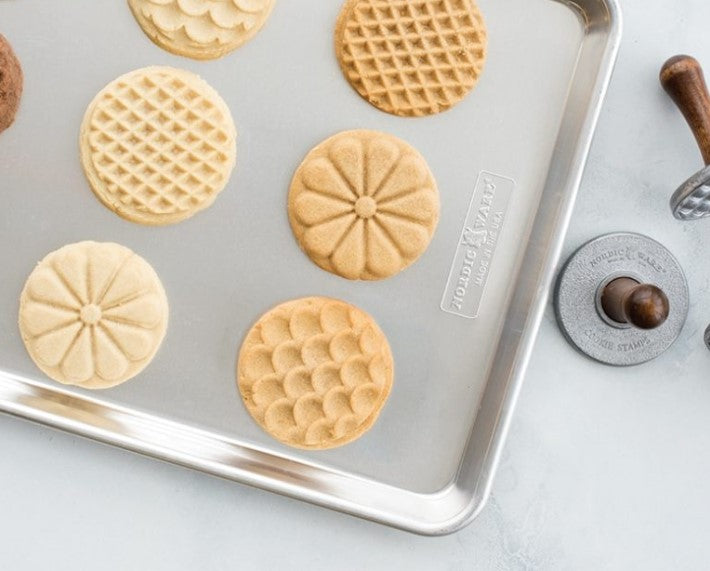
692, 200
590, 270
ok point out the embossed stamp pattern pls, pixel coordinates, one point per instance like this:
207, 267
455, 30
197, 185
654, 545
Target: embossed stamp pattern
158, 145
201, 29
364, 205
315, 372
93, 314
411, 57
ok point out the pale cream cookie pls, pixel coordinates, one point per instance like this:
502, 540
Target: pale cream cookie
363, 205
201, 29
93, 314
411, 57
315, 372
158, 145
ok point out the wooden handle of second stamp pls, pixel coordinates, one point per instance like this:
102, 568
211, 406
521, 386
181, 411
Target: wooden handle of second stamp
683, 79
642, 305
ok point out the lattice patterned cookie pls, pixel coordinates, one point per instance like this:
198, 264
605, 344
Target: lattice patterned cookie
315, 372
201, 29
93, 314
364, 205
411, 57
158, 145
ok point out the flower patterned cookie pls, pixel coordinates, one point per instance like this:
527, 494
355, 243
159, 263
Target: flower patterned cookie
93, 314
364, 205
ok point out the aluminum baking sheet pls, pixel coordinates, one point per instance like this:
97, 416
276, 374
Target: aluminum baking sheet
428, 463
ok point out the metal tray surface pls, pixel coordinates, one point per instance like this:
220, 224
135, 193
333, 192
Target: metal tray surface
428, 463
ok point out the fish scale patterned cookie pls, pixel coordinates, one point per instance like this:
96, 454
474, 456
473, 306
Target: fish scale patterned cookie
315, 372
158, 145
364, 205
201, 29
411, 57
93, 314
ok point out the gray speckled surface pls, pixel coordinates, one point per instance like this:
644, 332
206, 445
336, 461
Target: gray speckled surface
604, 469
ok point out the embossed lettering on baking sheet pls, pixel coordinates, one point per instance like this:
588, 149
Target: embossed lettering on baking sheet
477, 245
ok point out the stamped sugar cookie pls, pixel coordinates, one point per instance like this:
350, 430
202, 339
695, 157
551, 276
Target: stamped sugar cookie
11, 80
93, 314
363, 205
158, 145
201, 29
315, 372
411, 57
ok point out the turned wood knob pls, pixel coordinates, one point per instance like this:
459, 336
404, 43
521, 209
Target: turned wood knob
644, 306
683, 79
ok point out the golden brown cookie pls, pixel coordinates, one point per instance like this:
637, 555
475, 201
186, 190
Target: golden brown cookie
11, 80
93, 314
158, 145
201, 29
363, 205
315, 372
411, 57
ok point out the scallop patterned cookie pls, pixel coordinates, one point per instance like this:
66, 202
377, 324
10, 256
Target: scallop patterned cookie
364, 205
411, 57
315, 372
93, 314
158, 145
201, 29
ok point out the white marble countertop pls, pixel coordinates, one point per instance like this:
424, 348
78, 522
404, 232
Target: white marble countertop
604, 468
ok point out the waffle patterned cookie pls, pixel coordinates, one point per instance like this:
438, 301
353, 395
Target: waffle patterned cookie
315, 372
158, 145
363, 205
201, 29
411, 57
93, 314
11, 80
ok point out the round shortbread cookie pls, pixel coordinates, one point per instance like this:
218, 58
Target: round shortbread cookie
363, 205
315, 372
411, 57
93, 314
11, 80
158, 145
201, 29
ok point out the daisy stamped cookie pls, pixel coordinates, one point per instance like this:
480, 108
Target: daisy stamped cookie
364, 205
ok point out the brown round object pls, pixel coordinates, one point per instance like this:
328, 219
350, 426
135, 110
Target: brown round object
647, 307
364, 205
11, 80
411, 57
315, 372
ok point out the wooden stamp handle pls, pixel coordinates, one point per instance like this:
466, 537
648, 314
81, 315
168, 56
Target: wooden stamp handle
683, 79
627, 301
